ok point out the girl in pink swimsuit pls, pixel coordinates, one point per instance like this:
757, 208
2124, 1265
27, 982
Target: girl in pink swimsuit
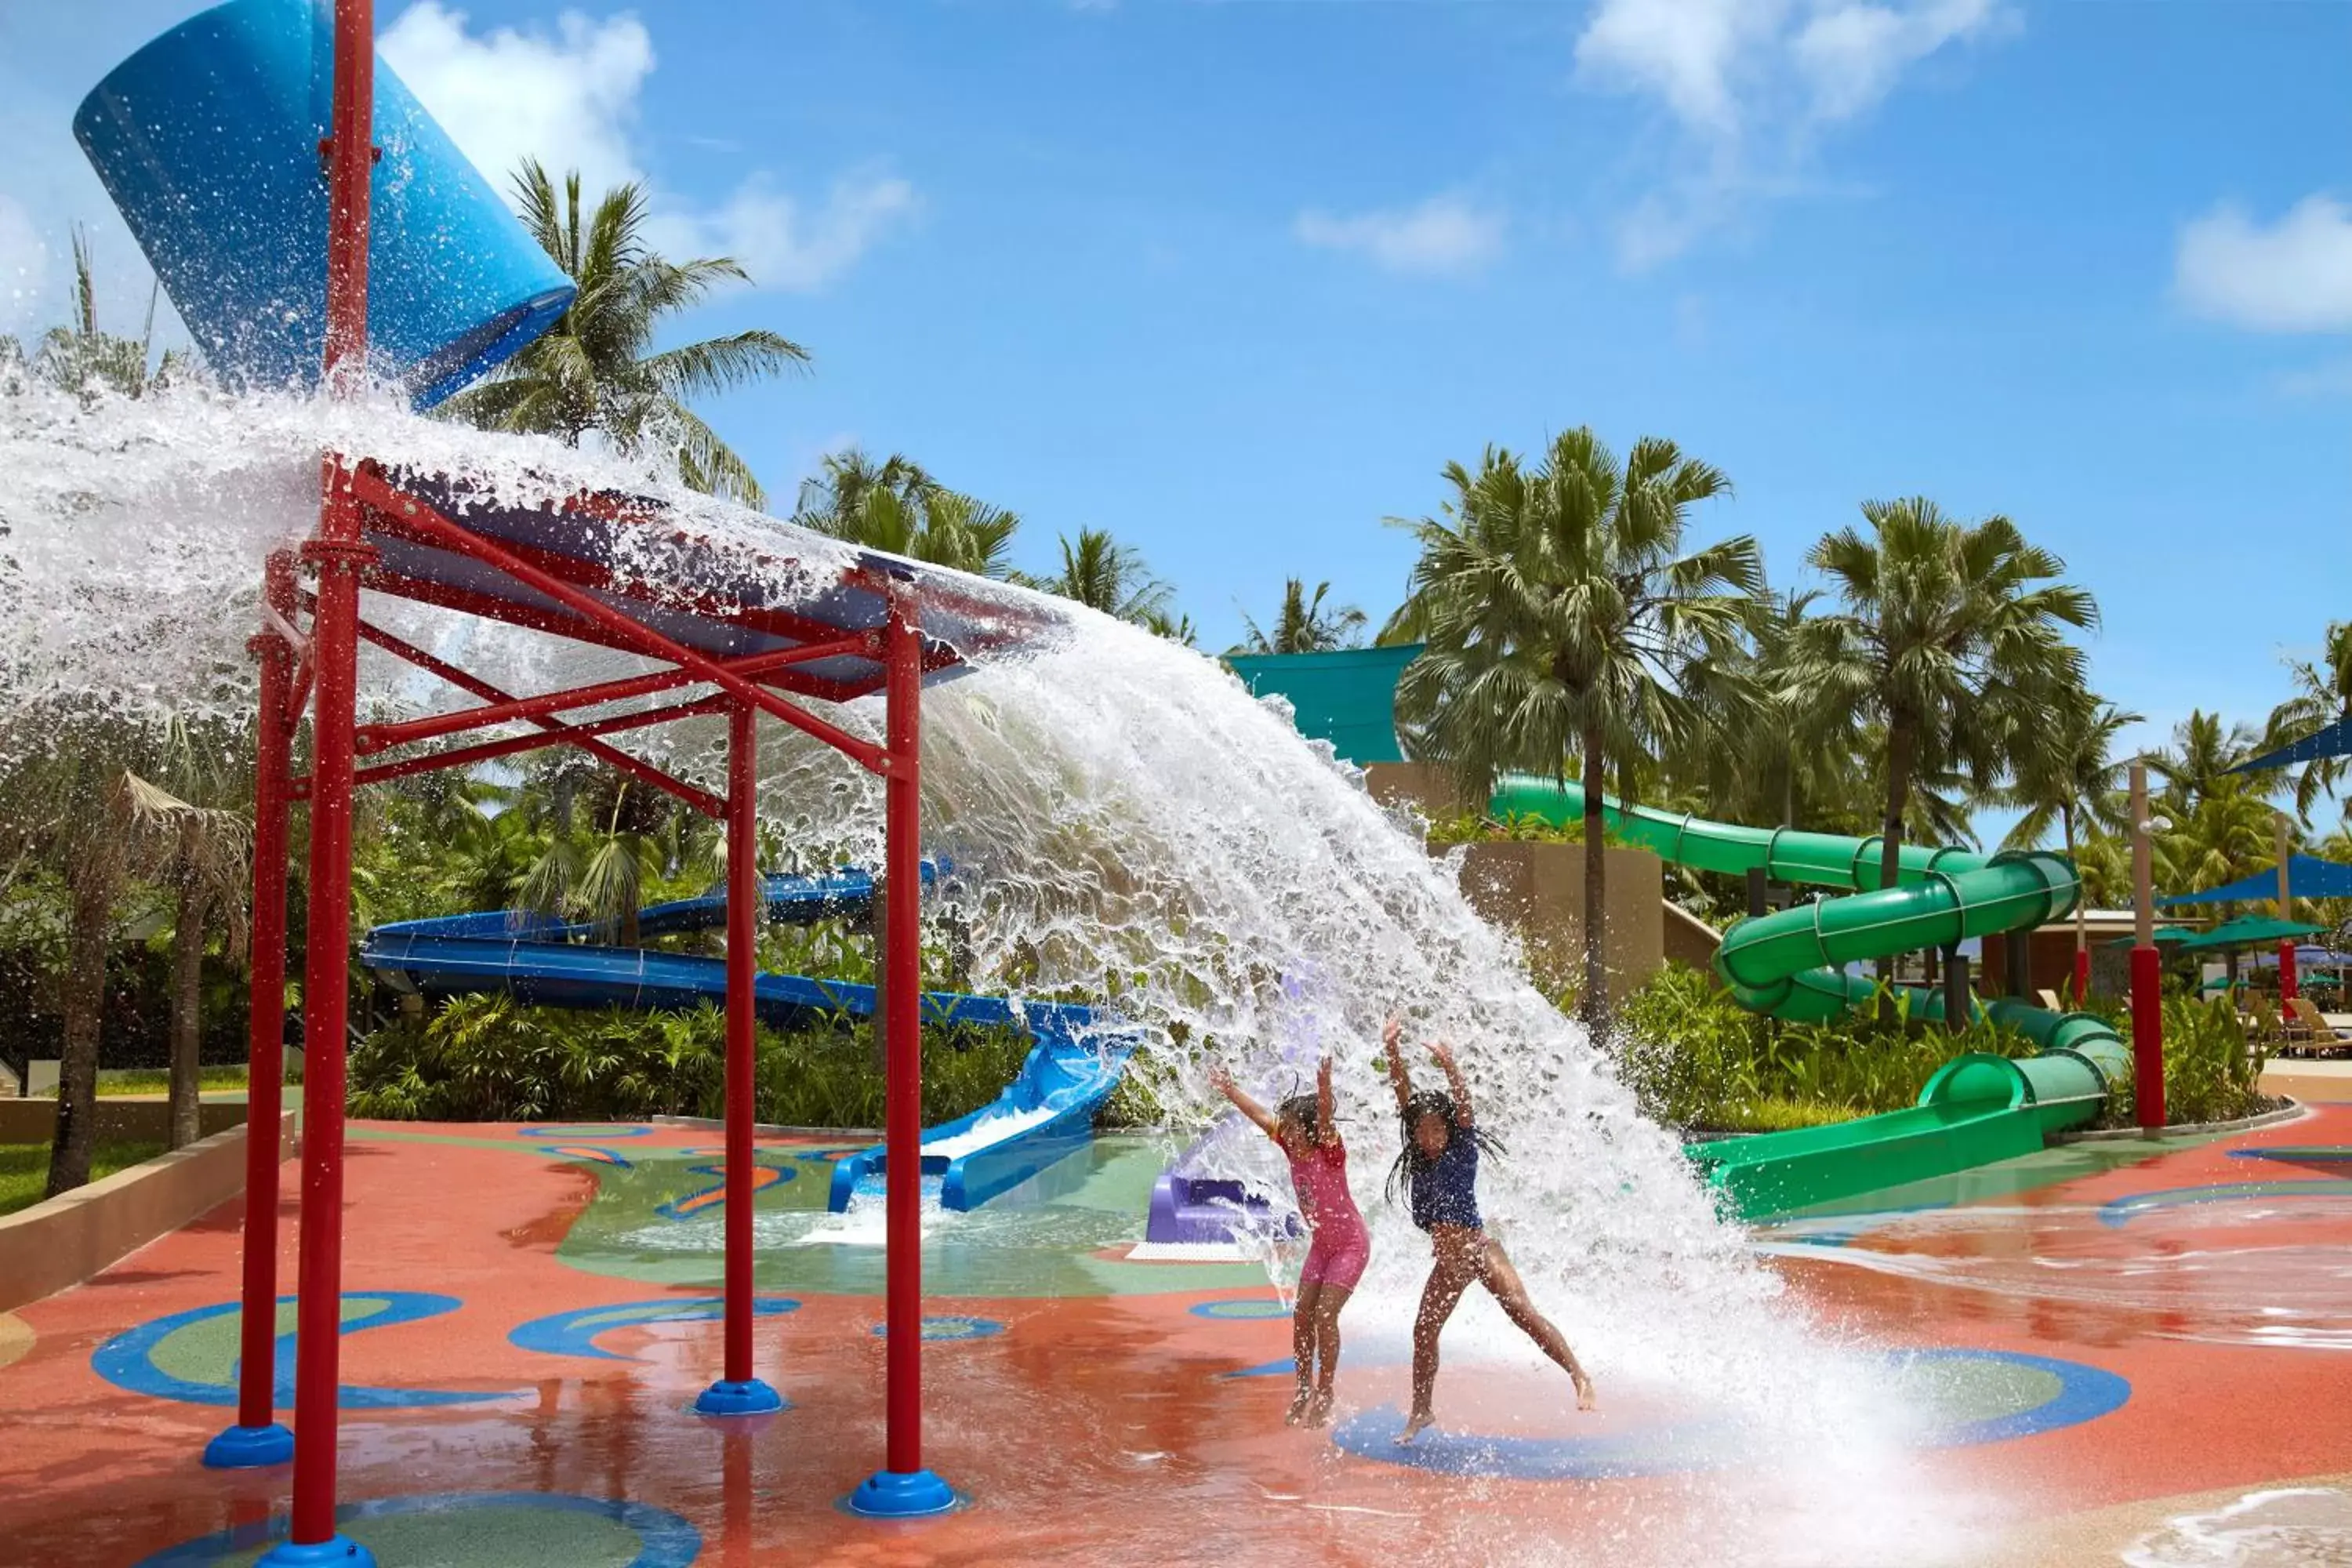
1303, 1129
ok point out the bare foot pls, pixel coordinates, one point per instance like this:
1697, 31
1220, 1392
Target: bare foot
1319, 1412
1298, 1407
1586, 1399
1413, 1426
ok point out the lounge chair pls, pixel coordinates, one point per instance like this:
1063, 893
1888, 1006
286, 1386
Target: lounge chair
2264, 1023
2324, 1037
2050, 1000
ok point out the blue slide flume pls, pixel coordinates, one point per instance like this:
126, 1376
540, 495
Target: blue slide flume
1044, 1115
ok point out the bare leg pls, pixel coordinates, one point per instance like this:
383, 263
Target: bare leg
1326, 1348
1510, 1293
1447, 1279
1302, 1347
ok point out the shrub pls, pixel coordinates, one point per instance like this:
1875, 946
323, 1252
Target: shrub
490, 1058
2212, 1072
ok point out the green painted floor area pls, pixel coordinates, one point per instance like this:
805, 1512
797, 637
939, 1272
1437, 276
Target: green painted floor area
1054, 1239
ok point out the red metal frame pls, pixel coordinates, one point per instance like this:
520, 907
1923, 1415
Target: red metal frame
743, 974
265, 1079
320, 671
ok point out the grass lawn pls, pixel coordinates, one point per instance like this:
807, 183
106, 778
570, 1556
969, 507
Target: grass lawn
25, 1168
157, 1080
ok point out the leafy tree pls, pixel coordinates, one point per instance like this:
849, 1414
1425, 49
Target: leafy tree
1566, 618
1302, 626
205, 860
2323, 696
1104, 574
596, 368
1951, 635
81, 358
2064, 774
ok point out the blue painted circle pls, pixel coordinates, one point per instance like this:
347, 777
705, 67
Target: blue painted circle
1248, 1309
574, 1332
2122, 1210
2080, 1393
936, 1329
574, 1129
128, 1360
665, 1540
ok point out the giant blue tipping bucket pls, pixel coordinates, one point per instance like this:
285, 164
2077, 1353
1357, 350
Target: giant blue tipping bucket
208, 140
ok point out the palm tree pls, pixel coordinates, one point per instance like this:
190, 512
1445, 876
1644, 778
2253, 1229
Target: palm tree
596, 369
944, 527
2223, 825
1563, 616
2323, 696
844, 478
2064, 772
88, 362
1951, 631
1302, 626
1104, 574
207, 863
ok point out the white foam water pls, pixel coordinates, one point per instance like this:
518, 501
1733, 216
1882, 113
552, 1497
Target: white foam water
1130, 829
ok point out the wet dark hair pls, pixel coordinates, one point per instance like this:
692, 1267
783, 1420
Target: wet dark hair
1302, 1110
1410, 1161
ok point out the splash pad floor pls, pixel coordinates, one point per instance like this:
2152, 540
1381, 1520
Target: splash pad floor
2105, 1344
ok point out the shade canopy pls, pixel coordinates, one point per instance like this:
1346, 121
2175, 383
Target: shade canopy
1345, 696
2307, 876
2333, 741
2250, 931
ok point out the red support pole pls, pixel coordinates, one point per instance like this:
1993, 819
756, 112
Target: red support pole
903, 1487
738, 1393
2290, 979
256, 1439
2148, 1037
2081, 977
340, 555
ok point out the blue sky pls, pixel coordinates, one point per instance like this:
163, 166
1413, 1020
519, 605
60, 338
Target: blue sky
1234, 280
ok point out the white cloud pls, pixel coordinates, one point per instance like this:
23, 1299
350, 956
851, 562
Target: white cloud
2293, 276
570, 98
786, 246
1752, 86
1445, 234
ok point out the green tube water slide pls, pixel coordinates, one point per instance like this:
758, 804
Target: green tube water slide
1977, 1108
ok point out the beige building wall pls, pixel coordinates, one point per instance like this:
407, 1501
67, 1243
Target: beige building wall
1539, 889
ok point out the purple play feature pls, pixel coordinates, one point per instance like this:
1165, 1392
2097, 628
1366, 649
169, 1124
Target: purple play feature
1192, 1207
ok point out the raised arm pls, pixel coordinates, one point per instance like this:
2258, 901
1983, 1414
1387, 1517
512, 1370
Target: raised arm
1392, 1048
1442, 1055
1326, 1128
1223, 1083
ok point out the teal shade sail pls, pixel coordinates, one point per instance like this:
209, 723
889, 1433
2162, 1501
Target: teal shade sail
1345, 696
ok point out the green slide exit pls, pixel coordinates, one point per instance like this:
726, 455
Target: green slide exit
1976, 1108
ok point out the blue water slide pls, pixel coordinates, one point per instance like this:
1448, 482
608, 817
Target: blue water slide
1043, 1117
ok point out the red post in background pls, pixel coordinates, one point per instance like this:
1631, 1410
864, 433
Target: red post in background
2146, 966
737, 1392
2290, 983
338, 552
903, 1489
2081, 976
256, 1439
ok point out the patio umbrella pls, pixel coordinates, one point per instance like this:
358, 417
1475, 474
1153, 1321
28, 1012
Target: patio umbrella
2248, 931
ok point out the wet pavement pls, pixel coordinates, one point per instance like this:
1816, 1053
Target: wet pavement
2118, 1352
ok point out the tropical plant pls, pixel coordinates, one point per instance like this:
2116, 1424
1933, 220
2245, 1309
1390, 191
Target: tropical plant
2064, 774
1103, 575
596, 369
205, 861
1564, 619
82, 359
1950, 637
1302, 625
2323, 697
921, 521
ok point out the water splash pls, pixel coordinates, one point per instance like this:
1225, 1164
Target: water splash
1131, 825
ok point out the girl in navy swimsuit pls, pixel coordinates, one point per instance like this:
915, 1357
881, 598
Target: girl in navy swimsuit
1439, 1166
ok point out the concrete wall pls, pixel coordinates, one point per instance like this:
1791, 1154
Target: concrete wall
62, 1242
1539, 889
141, 1121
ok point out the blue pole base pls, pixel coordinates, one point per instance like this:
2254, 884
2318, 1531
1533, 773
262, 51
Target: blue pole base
901, 1494
250, 1447
750, 1397
336, 1551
